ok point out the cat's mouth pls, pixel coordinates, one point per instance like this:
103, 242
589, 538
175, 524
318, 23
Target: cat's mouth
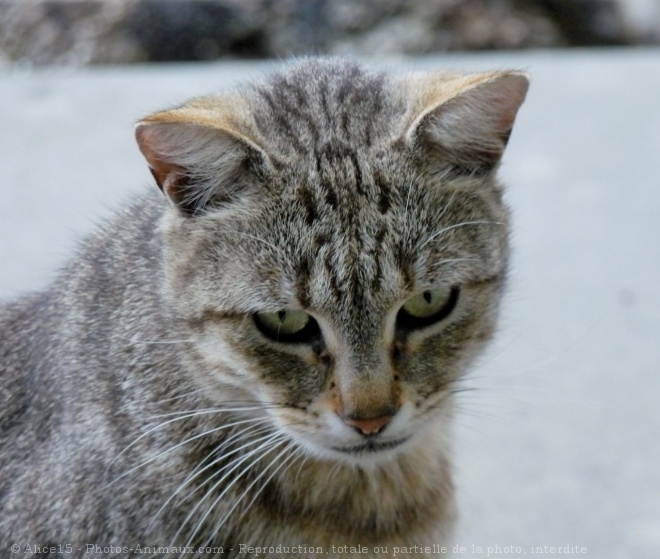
370, 446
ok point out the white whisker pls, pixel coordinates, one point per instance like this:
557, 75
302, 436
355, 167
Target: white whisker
162, 342
410, 187
455, 226
277, 249
444, 210
186, 441
201, 468
135, 340
305, 457
204, 411
181, 416
450, 260
180, 396
255, 437
267, 445
254, 482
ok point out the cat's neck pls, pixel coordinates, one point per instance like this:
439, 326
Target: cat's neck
409, 497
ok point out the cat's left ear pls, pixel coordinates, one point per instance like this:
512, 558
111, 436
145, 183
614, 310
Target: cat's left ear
202, 154
465, 121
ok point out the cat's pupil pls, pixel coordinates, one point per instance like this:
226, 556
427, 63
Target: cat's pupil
427, 308
288, 326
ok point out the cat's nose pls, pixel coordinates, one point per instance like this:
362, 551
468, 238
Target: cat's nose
370, 426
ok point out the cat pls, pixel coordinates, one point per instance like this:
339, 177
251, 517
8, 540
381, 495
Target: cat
265, 352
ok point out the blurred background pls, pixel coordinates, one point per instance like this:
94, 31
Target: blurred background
83, 32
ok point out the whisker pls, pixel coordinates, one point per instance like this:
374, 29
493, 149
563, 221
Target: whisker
137, 341
277, 249
489, 410
255, 437
446, 208
204, 411
410, 187
460, 390
201, 468
450, 260
182, 415
254, 482
462, 224
267, 445
186, 441
162, 342
213, 533
180, 396
306, 457
226, 406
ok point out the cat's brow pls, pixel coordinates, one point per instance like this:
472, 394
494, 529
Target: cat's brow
456, 226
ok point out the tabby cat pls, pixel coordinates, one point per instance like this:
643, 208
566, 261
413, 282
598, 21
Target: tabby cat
265, 355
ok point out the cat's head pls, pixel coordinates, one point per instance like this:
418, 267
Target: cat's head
337, 244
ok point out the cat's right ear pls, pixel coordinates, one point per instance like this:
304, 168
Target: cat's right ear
464, 121
199, 157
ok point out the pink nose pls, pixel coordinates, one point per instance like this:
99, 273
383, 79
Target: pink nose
369, 426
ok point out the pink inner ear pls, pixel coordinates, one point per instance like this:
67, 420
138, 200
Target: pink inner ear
196, 166
160, 168
474, 126
508, 93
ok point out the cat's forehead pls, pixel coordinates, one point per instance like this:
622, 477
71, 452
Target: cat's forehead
347, 193
327, 108
331, 130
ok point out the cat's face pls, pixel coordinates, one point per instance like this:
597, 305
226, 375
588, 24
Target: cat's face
351, 266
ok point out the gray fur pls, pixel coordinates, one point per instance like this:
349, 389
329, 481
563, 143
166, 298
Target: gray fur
328, 188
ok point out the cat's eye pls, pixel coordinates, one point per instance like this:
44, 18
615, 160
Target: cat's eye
287, 326
427, 308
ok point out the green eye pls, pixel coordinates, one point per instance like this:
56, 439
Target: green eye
284, 322
287, 326
427, 308
427, 303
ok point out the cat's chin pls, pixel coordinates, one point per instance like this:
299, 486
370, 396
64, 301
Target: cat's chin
369, 453
371, 446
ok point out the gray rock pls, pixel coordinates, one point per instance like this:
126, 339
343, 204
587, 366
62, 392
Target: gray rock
81, 32
66, 32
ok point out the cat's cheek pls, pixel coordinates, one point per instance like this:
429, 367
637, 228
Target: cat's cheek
215, 367
307, 429
219, 357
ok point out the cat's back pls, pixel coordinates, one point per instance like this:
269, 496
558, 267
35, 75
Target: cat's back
52, 339
66, 356
30, 397
20, 354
